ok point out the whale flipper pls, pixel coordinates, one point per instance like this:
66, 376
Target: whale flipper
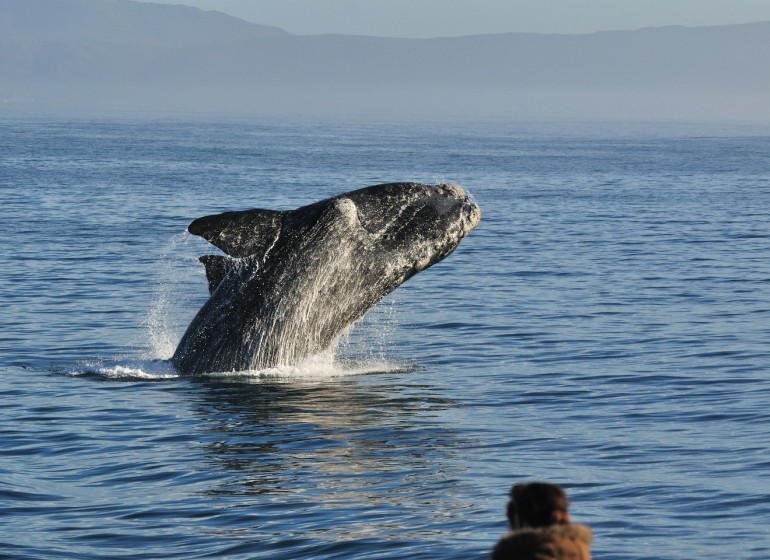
242, 233
217, 268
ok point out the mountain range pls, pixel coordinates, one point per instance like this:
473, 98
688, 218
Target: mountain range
129, 55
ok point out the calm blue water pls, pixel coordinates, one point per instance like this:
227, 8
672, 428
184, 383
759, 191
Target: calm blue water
606, 327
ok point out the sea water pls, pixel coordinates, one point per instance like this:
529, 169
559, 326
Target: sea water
606, 327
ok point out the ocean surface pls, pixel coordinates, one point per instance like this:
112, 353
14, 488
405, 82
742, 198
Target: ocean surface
606, 327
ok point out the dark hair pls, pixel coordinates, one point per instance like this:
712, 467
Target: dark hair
536, 503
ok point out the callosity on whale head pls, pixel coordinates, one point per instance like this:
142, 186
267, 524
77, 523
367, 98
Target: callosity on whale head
300, 277
421, 223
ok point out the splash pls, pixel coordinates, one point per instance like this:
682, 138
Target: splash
323, 367
177, 293
361, 349
319, 368
137, 370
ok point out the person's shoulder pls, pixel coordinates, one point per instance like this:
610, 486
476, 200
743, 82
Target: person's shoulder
545, 542
573, 531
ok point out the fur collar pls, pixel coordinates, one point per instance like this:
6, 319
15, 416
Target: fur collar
574, 531
556, 541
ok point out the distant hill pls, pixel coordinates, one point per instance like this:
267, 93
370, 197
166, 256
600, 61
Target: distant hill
122, 54
121, 22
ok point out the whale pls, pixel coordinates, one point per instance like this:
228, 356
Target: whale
291, 282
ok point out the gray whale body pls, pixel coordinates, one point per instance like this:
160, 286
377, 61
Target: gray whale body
295, 280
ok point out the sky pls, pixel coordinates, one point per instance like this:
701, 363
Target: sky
444, 18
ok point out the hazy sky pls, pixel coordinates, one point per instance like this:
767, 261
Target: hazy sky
433, 18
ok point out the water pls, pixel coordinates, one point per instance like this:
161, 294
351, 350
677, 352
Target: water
606, 327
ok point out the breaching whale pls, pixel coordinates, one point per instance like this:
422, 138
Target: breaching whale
295, 280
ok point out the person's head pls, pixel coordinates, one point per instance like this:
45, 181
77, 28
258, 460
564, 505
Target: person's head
537, 504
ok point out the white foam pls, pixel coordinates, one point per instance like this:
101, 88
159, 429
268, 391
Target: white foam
140, 369
318, 368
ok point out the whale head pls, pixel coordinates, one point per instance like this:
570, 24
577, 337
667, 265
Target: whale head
406, 221
421, 223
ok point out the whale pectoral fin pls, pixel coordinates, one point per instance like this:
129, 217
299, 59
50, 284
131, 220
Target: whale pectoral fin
217, 268
240, 234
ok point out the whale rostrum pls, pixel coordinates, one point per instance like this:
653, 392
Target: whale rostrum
293, 281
